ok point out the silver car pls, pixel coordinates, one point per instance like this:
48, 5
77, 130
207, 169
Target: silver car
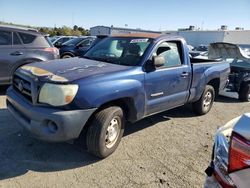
19, 46
230, 165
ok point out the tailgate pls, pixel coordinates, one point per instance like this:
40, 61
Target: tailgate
226, 50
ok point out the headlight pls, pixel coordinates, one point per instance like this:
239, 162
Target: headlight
57, 95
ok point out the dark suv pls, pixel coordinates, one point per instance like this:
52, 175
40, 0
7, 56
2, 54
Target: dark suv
19, 46
76, 47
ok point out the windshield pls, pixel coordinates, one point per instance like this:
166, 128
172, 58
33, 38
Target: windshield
119, 50
72, 42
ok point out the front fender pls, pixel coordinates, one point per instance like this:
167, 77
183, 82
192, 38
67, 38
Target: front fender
95, 95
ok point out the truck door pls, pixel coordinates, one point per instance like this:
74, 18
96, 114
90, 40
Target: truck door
168, 86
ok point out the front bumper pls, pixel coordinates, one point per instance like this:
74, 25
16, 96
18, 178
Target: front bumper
45, 123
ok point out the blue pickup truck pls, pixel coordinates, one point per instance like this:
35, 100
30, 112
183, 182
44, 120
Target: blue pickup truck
122, 78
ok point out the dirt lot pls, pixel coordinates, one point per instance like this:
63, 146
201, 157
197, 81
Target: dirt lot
170, 149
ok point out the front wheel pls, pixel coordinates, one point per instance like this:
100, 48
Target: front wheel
105, 131
244, 93
66, 56
205, 103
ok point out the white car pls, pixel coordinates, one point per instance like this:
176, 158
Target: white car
230, 165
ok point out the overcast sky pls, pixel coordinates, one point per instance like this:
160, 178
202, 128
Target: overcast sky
144, 14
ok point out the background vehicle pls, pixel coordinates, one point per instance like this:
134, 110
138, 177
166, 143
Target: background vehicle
239, 78
122, 78
59, 40
190, 47
201, 48
199, 52
76, 47
19, 46
230, 165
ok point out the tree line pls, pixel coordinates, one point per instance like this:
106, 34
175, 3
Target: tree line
64, 30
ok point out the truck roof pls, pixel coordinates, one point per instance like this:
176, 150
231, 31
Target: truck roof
143, 35
148, 35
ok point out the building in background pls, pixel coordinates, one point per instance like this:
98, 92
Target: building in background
104, 30
193, 36
205, 37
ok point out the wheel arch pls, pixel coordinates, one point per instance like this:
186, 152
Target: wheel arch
126, 104
67, 53
21, 63
215, 83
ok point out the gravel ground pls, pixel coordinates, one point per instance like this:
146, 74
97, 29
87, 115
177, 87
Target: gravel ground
171, 149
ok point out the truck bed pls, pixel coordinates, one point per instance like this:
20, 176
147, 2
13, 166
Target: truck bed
205, 70
197, 60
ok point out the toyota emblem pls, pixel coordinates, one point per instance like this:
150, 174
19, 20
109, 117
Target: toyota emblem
20, 85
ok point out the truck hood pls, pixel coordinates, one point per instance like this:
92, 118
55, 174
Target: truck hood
226, 50
68, 70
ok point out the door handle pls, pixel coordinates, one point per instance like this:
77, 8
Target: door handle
16, 53
184, 74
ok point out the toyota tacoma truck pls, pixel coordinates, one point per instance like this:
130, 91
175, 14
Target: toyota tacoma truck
123, 78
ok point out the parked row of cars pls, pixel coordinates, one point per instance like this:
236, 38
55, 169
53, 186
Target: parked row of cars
72, 46
57, 41
20, 46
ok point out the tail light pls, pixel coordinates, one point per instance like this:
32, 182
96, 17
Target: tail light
239, 153
52, 50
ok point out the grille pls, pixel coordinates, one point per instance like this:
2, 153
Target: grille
23, 86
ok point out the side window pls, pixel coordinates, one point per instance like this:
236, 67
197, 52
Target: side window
16, 40
171, 53
85, 43
5, 38
27, 38
65, 39
59, 40
62, 40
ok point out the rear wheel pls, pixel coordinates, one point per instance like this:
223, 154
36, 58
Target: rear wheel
205, 103
244, 93
105, 131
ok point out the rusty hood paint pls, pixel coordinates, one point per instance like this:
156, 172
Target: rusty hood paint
68, 70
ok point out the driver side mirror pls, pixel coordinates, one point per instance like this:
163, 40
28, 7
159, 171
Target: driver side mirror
158, 61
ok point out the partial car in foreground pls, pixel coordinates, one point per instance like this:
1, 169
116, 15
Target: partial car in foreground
230, 165
19, 46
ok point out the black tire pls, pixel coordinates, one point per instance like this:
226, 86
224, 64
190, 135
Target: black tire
205, 103
98, 141
64, 56
244, 93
